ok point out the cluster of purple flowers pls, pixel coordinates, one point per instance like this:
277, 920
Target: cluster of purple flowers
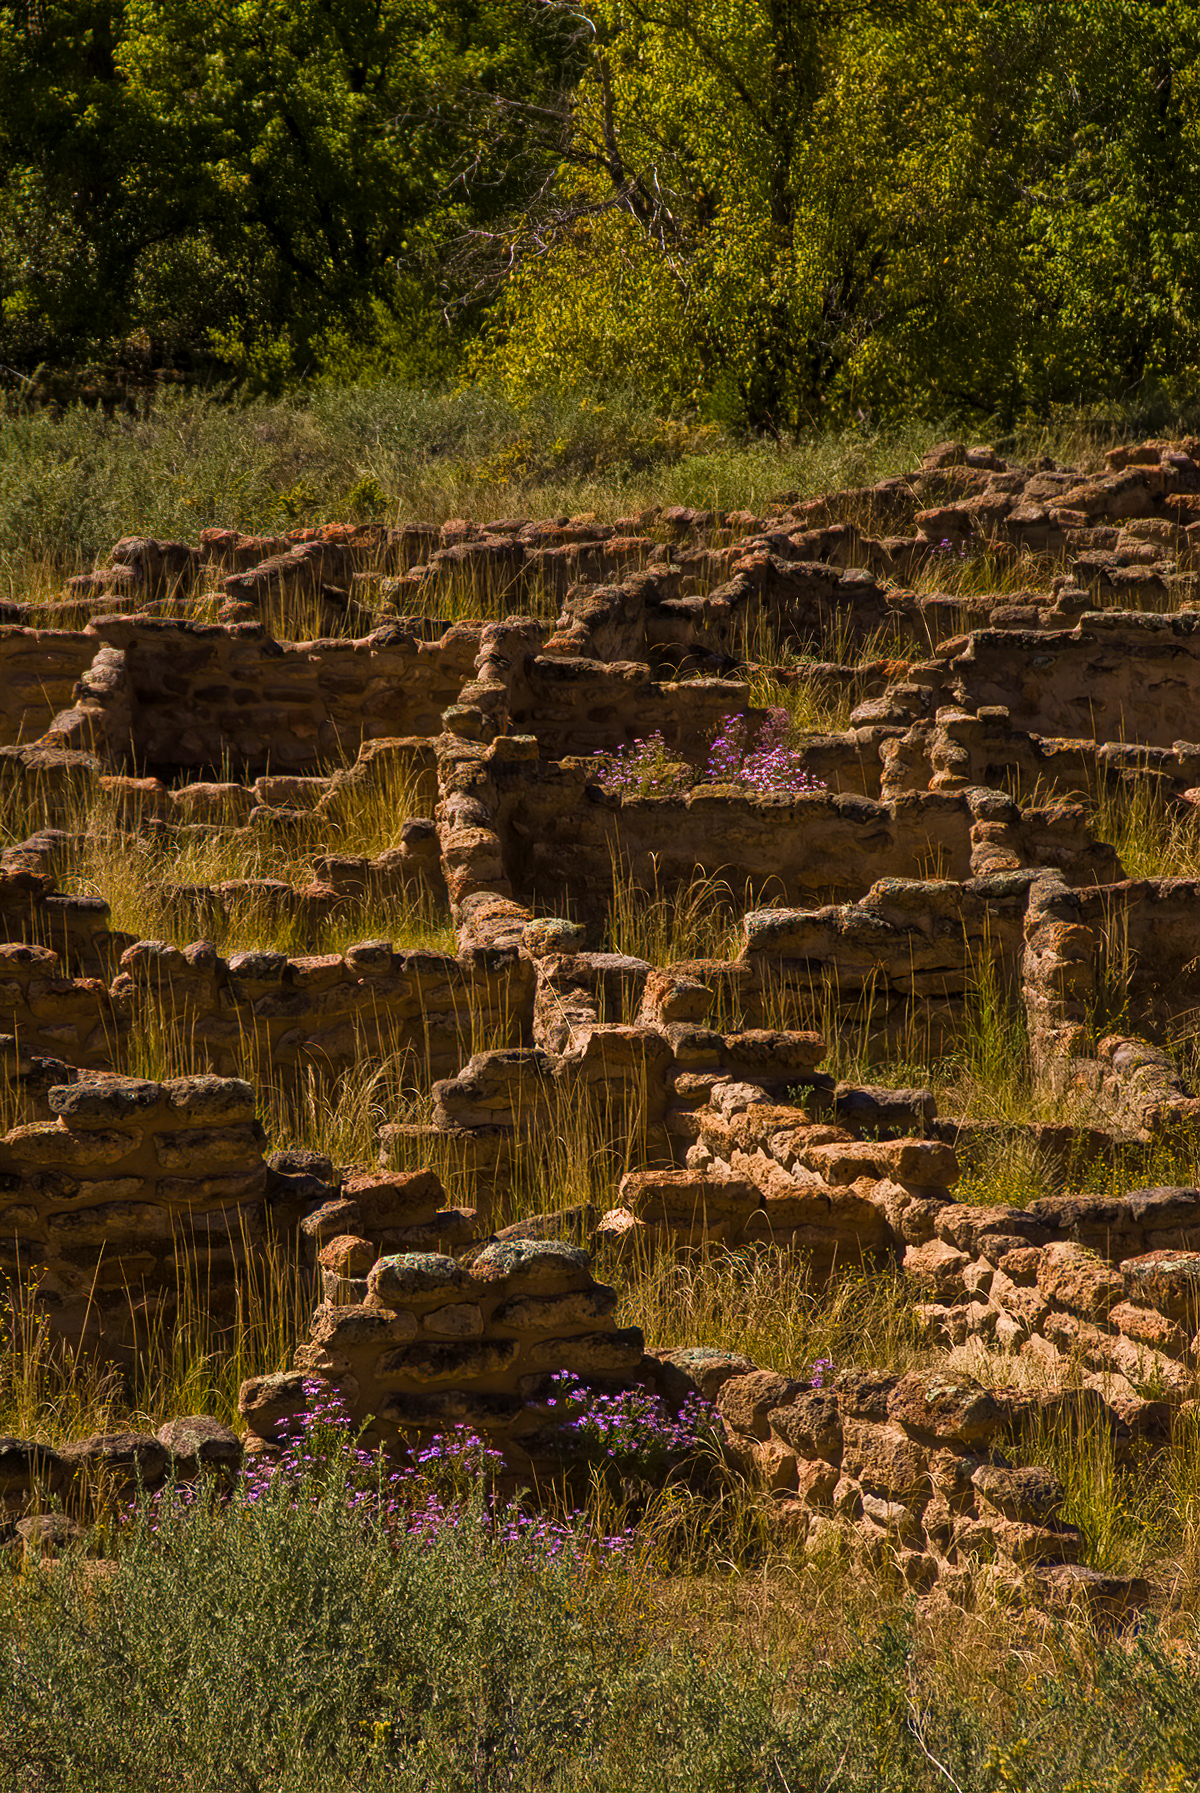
450, 1485
645, 767
631, 1429
822, 1368
769, 765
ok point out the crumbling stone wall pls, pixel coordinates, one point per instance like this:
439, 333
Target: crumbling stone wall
130, 1177
323, 1011
907, 1471
439, 1342
563, 837
1099, 1287
38, 672
1115, 676
177, 696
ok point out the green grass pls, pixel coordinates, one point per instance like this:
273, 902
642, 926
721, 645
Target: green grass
1153, 838
294, 1647
112, 854
763, 1302
71, 485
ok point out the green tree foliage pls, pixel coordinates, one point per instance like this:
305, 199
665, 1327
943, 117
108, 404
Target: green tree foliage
780, 211
786, 208
266, 181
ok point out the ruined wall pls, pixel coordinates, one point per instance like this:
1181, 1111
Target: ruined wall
1132, 947
129, 1179
440, 1342
562, 835
1102, 1288
908, 1472
38, 672
171, 697
897, 965
328, 1010
320, 1012
1116, 676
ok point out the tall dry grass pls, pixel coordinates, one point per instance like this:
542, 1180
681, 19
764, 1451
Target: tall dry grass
154, 877
190, 1357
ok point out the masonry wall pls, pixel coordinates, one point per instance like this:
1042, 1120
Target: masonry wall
1114, 677
895, 966
321, 1012
130, 1176
562, 835
38, 671
1102, 1288
173, 697
440, 1342
906, 1472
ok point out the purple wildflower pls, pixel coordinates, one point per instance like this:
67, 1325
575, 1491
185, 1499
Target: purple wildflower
769, 765
645, 768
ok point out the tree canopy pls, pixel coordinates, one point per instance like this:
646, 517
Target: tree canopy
773, 210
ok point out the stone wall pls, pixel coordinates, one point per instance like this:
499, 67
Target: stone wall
322, 1011
328, 1010
171, 697
440, 1342
908, 1472
128, 1182
1115, 676
38, 672
896, 966
1103, 1288
562, 836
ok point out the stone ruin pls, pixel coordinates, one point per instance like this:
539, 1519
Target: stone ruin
946, 839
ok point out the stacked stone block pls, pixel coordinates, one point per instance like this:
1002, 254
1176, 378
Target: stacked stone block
440, 1342
133, 1187
904, 1471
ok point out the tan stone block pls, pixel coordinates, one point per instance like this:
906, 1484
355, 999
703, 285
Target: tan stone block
994, 1537
549, 1313
114, 1220
110, 1189
884, 1458
1166, 1280
1080, 1280
1033, 1495
1025, 1305
815, 1483
1149, 1327
208, 1101
213, 1151
347, 1327
944, 1407
746, 1401
529, 1266
591, 1353
347, 1255
920, 1163
18, 1220
810, 1423
460, 1320
195, 1192
50, 1143
454, 1362
842, 1164
891, 1516
937, 1267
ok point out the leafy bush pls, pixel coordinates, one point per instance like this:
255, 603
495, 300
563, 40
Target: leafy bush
296, 1646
